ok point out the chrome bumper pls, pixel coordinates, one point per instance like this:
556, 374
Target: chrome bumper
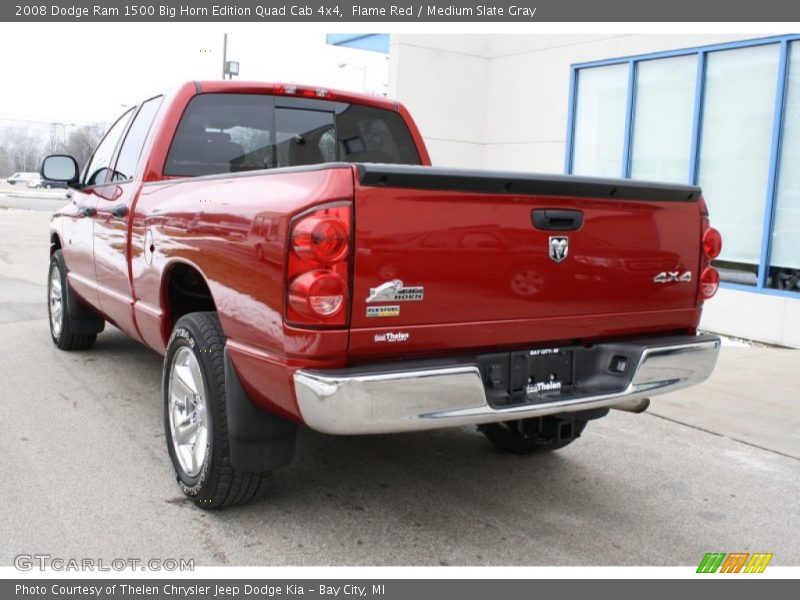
387, 400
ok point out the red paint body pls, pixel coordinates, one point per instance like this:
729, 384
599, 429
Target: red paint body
489, 282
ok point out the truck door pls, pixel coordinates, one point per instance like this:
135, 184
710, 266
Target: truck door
78, 243
112, 223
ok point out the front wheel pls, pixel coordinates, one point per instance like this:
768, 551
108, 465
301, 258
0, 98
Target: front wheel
66, 316
195, 416
528, 436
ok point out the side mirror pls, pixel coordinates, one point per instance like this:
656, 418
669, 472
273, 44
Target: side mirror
60, 167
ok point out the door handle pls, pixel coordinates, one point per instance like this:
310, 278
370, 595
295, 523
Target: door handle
88, 211
119, 211
556, 219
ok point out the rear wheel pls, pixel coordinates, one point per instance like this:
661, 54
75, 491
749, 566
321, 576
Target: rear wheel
60, 309
195, 416
528, 436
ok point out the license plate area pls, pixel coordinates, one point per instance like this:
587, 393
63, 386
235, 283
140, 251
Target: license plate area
527, 376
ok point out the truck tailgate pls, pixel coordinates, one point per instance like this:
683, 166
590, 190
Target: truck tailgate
450, 259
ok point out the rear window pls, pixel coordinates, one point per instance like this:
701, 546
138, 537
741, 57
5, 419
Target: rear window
229, 133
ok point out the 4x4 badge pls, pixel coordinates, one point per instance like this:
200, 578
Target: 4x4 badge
670, 276
558, 248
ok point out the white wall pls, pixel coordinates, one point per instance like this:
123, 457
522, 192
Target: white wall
501, 102
752, 316
444, 89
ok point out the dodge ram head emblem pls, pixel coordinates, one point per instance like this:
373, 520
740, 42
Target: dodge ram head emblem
558, 248
393, 291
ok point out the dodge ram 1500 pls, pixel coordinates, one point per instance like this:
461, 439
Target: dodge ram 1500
298, 261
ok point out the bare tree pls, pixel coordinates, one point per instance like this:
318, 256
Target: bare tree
6, 163
25, 150
82, 142
22, 148
56, 140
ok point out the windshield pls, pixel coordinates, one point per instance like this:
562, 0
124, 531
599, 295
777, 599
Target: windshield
228, 133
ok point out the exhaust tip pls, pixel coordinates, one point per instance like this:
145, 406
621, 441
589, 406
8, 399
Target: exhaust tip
634, 406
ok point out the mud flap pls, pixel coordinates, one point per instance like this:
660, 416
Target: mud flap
258, 440
82, 320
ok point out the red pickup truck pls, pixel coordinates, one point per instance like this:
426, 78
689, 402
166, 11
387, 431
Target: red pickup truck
297, 260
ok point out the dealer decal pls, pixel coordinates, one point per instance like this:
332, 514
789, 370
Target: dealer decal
392, 337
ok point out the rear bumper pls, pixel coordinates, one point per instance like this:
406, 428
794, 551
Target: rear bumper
417, 396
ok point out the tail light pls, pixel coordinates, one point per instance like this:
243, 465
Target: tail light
709, 283
712, 246
712, 243
293, 90
318, 267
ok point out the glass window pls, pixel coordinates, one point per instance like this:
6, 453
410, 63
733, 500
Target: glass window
735, 143
134, 140
600, 121
224, 133
785, 255
98, 168
662, 119
368, 134
304, 137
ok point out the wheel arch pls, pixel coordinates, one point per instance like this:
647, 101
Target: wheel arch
184, 289
55, 242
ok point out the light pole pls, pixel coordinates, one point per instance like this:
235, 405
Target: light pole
229, 67
357, 68
224, 54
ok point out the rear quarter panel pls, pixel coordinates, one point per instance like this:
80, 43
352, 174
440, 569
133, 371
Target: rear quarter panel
232, 229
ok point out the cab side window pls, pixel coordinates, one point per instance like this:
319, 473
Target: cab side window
131, 149
97, 172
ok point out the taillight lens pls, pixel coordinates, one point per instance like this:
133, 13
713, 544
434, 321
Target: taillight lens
712, 243
318, 267
318, 293
324, 240
709, 283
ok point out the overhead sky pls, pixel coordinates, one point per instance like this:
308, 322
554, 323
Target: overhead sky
86, 72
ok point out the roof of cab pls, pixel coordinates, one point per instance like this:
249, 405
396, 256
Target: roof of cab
292, 89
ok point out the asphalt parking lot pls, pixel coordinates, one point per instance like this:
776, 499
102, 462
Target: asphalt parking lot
20, 196
85, 471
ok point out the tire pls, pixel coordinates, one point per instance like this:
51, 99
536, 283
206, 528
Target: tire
193, 388
530, 436
60, 308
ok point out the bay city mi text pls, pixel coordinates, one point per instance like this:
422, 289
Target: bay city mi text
191, 591
265, 12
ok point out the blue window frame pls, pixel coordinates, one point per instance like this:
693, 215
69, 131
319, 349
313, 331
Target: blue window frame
777, 126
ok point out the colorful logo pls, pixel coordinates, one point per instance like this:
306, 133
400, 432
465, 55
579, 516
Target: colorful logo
735, 562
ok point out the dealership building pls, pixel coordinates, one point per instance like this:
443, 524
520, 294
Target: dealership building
719, 111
